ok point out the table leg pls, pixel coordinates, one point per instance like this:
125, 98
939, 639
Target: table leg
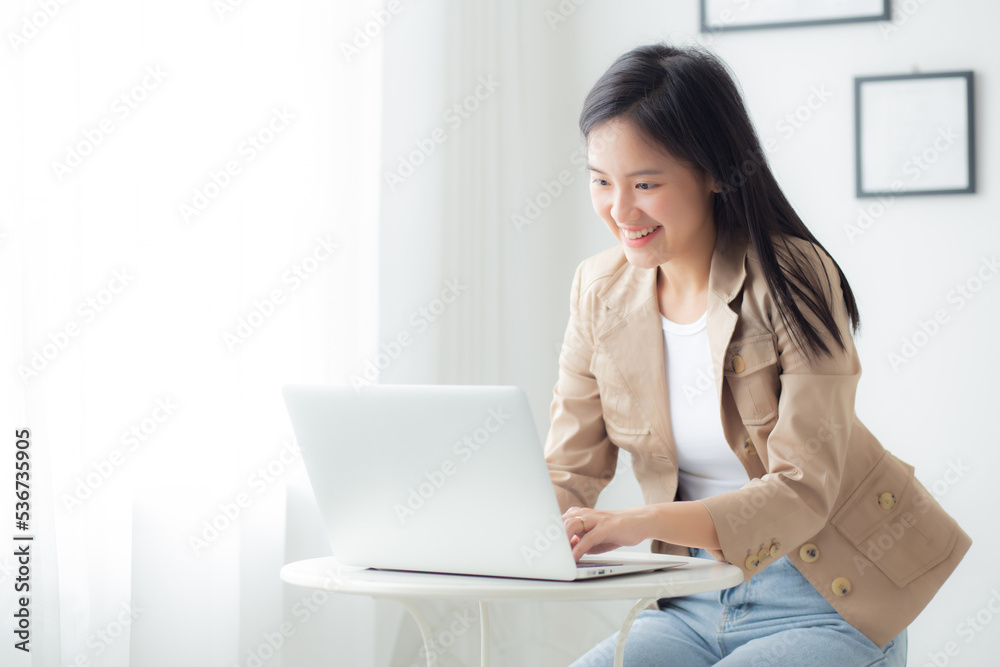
626, 626
484, 633
425, 630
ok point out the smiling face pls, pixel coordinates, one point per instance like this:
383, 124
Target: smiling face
658, 208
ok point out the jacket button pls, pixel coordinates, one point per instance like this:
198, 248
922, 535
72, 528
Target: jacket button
775, 548
887, 501
841, 587
763, 553
752, 562
809, 553
738, 364
748, 447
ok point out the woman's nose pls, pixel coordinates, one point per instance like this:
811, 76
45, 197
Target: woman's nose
623, 208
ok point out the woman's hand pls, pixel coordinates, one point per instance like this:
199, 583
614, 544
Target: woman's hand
596, 531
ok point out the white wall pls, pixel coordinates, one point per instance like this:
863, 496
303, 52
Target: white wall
937, 410
508, 327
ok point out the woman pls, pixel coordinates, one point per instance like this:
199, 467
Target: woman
714, 344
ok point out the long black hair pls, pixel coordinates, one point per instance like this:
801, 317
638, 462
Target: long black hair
685, 101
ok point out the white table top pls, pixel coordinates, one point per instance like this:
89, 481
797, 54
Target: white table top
694, 575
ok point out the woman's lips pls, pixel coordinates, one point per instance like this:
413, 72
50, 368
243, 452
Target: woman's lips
641, 240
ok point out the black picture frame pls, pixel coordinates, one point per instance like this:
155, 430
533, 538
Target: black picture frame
789, 18
914, 134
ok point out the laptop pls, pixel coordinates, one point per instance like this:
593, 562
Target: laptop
440, 478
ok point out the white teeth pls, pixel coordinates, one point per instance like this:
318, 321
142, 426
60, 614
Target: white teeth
641, 233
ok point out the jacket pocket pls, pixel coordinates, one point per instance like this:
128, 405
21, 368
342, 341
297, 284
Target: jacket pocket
896, 523
750, 368
633, 435
647, 461
618, 427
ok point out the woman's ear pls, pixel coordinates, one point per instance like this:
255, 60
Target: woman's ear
712, 184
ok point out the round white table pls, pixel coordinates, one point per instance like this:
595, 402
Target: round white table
694, 575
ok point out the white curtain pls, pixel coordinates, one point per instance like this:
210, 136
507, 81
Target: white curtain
188, 218
206, 199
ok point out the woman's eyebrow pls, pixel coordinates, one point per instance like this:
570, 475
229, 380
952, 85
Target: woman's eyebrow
641, 172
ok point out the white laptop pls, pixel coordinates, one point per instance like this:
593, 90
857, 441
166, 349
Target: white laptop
439, 478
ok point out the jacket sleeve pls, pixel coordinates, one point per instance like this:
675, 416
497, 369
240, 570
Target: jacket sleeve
807, 446
580, 457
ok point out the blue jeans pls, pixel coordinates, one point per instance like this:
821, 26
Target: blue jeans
776, 619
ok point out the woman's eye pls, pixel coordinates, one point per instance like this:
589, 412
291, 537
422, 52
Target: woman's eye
600, 181
645, 186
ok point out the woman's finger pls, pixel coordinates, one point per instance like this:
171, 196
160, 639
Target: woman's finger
575, 525
583, 546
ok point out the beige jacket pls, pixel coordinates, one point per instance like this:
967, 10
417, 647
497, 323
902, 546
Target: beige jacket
821, 489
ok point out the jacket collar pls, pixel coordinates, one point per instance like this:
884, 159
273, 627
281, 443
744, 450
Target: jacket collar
633, 335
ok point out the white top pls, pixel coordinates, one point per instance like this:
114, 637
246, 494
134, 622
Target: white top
698, 575
706, 465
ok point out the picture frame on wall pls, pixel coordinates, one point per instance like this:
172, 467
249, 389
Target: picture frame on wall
914, 134
723, 15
